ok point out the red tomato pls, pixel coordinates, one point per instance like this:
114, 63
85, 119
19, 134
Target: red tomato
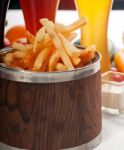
117, 78
16, 32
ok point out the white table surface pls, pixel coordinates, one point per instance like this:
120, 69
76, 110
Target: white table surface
113, 125
112, 132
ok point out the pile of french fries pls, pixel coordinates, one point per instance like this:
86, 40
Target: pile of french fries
50, 49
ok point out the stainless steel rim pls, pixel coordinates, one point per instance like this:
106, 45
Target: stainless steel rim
88, 146
50, 77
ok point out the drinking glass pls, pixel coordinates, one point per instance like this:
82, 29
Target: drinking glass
34, 10
95, 32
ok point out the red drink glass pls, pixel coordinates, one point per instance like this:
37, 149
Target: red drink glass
34, 10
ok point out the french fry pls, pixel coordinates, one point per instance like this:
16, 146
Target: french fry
40, 59
18, 46
91, 48
54, 37
47, 40
70, 28
21, 47
30, 37
61, 67
8, 58
45, 65
71, 50
75, 61
18, 63
71, 36
87, 55
29, 47
53, 61
51, 49
60, 27
29, 59
40, 37
19, 54
15, 59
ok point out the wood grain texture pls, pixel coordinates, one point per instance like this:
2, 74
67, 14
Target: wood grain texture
50, 116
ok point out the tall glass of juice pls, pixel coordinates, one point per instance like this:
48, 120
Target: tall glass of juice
95, 32
34, 10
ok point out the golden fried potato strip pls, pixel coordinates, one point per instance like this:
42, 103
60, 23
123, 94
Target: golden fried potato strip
51, 49
19, 54
41, 58
72, 27
18, 46
49, 26
61, 67
8, 58
39, 39
30, 37
53, 61
87, 55
71, 50
71, 36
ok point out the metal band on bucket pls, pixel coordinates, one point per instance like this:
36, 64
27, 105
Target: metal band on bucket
88, 146
50, 77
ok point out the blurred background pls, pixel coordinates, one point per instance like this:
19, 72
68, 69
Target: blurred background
115, 27
68, 4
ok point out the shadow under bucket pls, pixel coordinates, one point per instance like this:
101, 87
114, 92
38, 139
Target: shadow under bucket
50, 111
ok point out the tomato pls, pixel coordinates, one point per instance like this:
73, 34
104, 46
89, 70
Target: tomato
117, 78
16, 32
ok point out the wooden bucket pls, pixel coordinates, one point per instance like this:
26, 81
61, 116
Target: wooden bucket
50, 111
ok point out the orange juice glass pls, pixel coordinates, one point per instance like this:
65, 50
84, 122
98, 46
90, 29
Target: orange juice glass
95, 32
